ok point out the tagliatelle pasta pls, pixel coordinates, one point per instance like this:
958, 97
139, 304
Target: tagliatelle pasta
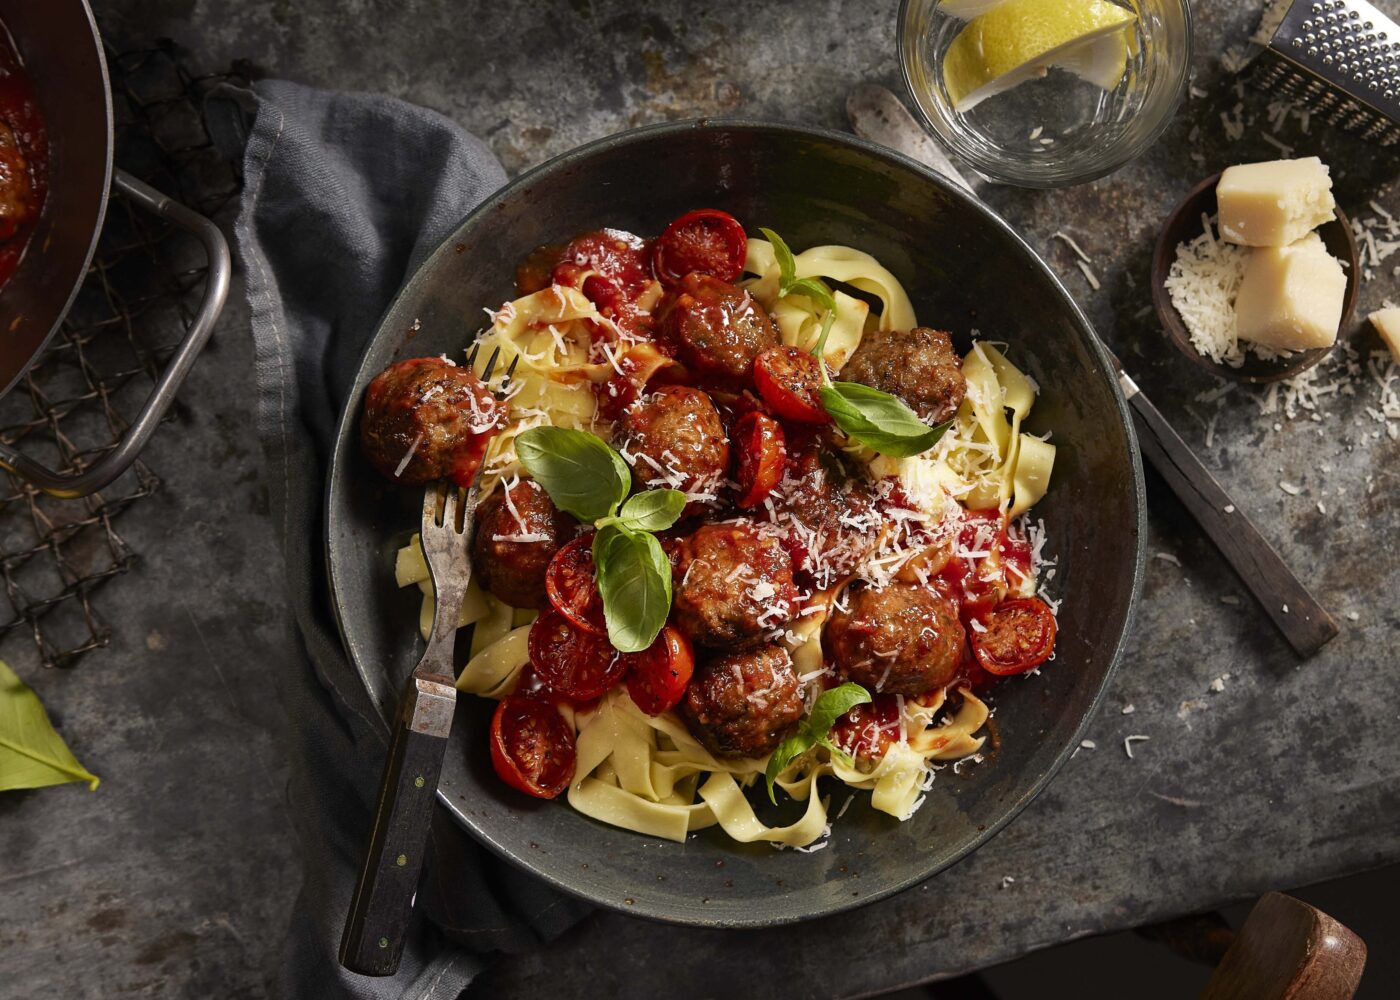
945, 514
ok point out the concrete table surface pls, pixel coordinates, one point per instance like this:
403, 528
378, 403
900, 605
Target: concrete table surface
173, 879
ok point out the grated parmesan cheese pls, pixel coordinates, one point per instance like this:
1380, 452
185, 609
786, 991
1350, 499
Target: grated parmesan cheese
1202, 283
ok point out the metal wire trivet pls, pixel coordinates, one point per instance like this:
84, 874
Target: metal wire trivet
136, 303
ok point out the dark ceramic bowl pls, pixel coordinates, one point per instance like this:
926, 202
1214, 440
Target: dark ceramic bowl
964, 268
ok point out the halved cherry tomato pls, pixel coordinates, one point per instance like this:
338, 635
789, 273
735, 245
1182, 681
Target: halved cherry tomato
788, 379
867, 731
616, 258
572, 662
659, 674
758, 443
532, 747
705, 240
572, 586
1019, 636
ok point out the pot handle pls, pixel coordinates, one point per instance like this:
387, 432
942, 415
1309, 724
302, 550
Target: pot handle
116, 461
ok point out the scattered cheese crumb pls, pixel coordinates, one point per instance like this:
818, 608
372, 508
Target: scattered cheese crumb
1353, 616
1230, 599
1007, 880
1289, 488
1285, 609
1129, 708
1229, 508
1069, 241
1088, 744
1089, 275
1128, 742
1217, 685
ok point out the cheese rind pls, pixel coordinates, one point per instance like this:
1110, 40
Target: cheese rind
1290, 298
1387, 324
1275, 203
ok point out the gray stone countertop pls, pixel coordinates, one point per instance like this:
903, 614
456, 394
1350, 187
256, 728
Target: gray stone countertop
173, 879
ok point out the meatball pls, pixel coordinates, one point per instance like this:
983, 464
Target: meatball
733, 584
901, 639
827, 515
518, 530
717, 329
673, 438
743, 704
920, 367
427, 419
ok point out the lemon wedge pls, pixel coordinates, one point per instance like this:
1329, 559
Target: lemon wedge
1019, 40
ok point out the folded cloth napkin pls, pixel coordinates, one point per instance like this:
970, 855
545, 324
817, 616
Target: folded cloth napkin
343, 195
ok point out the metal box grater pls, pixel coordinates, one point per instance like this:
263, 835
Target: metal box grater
1339, 58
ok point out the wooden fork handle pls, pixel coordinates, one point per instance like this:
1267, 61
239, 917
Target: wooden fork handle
1304, 623
373, 940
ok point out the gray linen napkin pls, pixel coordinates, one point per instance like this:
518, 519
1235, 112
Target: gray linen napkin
343, 195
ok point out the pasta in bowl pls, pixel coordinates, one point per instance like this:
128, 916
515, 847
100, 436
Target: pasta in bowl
837, 593
877, 518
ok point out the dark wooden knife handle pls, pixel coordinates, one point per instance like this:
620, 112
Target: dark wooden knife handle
373, 941
1304, 623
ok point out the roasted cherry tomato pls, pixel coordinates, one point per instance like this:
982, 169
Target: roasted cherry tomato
706, 240
532, 747
572, 586
867, 731
572, 662
612, 268
788, 379
658, 676
761, 456
1019, 636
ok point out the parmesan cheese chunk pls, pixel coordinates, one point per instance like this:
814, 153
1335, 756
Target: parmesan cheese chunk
1275, 203
1290, 298
1387, 324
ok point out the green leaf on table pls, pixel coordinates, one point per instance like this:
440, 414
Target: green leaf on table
878, 420
32, 754
654, 510
581, 474
829, 707
634, 577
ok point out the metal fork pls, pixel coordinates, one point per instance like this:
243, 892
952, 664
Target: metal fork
373, 940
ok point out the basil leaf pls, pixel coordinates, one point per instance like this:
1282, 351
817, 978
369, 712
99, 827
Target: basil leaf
787, 264
634, 577
825, 711
879, 420
654, 510
788, 751
581, 474
32, 754
816, 291
832, 705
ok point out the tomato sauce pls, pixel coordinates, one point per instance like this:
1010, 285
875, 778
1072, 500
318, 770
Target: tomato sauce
24, 159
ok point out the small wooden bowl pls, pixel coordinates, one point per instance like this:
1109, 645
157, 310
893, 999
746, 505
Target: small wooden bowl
1184, 224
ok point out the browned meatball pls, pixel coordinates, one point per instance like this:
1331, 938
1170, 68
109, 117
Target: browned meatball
827, 515
743, 704
717, 329
920, 367
518, 530
673, 438
428, 419
733, 584
901, 639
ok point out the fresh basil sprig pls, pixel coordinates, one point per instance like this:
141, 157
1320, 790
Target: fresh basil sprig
876, 419
581, 474
585, 477
815, 729
634, 577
